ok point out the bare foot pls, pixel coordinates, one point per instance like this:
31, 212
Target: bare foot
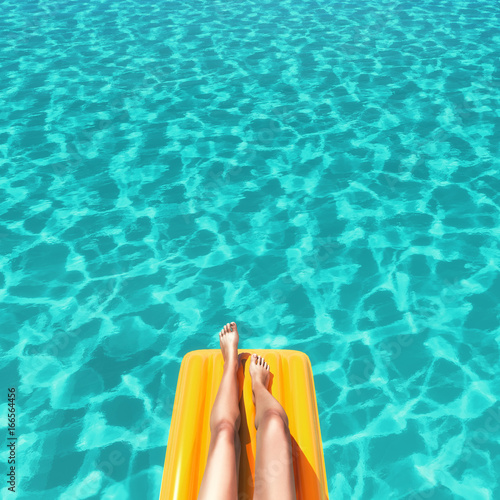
259, 371
229, 337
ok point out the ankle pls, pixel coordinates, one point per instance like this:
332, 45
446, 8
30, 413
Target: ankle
258, 386
231, 364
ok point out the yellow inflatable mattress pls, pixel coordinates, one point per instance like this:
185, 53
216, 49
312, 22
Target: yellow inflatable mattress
189, 436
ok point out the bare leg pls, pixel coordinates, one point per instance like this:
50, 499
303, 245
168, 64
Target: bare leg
273, 462
220, 480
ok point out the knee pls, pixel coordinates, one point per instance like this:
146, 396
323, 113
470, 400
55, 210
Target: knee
224, 428
224, 420
275, 421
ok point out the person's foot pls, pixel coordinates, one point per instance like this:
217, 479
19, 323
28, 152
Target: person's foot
259, 371
228, 338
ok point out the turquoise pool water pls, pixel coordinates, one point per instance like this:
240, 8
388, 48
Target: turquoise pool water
324, 173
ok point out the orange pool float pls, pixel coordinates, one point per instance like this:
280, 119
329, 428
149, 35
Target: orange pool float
189, 436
